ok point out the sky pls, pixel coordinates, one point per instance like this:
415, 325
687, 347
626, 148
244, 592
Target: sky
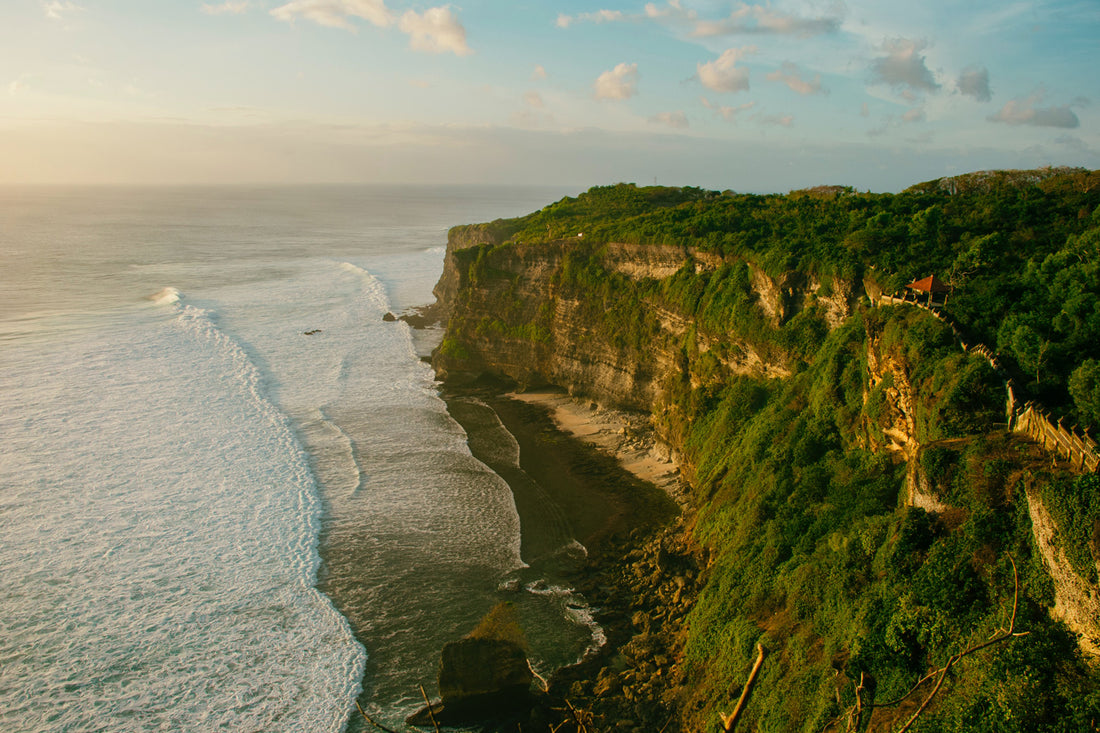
753, 97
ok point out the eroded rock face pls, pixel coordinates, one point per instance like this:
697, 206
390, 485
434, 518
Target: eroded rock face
1076, 600
515, 319
477, 668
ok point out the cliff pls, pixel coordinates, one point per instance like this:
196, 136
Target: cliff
859, 501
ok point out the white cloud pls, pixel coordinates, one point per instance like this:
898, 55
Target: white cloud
1025, 112
864, 110
763, 20
538, 74
420, 84
729, 114
903, 65
437, 30
16, 87
335, 13
533, 99
229, 7
974, 82
677, 120
723, 74
674, 9
58, 10
619, 83
600, 16
790, 75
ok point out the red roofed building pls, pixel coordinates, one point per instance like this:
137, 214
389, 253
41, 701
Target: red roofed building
930, 285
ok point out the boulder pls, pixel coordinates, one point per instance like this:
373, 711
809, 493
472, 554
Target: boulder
484, 675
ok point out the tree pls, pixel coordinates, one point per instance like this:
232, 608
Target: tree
1084, 387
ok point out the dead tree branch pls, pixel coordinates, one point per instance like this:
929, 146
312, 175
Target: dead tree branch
728, 722
431, 713
1009, 633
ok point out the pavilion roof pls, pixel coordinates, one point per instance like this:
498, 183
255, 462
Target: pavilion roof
930, 284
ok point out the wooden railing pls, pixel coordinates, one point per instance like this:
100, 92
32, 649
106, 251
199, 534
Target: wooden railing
1080, 450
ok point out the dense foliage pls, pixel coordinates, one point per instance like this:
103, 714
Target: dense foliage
1021, 251
814, 549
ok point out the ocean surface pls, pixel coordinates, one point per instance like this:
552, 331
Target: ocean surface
230, 494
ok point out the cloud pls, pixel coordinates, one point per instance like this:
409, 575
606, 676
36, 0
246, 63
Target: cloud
600, 16
335, 13
789, 75
57, 9
1025, 112
533, 99
16, 87
729, 114
763, 20
903, 65
538, 74
974, 82
723, 74
437, 30
916, 114
864, 110
673, 10
619, 83
228, 7
420, 84
677, 120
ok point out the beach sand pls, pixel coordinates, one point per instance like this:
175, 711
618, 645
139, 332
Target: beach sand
580, 475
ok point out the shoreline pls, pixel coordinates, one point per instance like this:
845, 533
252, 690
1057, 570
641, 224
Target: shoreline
620, 494
627, 437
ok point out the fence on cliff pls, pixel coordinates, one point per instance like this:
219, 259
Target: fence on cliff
1080, 450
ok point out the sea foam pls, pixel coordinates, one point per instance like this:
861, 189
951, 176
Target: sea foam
160, 529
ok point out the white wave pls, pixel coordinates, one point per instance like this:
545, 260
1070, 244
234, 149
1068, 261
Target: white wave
166, 296
177, 591
575, 608
373, 288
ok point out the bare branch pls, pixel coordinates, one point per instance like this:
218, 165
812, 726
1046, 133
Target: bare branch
431, 713
1009, 634
728, 722
573, 711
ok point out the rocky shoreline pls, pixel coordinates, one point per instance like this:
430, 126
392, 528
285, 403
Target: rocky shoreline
641, 573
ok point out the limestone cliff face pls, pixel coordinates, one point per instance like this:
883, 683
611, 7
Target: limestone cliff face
895, 430
1076, 600
508, 315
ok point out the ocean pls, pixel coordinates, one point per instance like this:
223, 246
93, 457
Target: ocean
231, 496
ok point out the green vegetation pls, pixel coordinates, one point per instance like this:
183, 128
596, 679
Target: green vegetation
813, 548
501, 623
1020, 248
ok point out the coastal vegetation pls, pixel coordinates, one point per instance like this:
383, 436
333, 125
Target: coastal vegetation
861, 507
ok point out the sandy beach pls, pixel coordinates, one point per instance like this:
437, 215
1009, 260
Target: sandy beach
580, 474
626, 436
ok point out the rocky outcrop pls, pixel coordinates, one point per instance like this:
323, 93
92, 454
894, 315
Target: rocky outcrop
1076, 600
895, 430
472, 670
509, 316
482, 676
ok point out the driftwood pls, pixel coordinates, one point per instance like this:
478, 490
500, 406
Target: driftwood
576, 717
730, 721
431, 714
